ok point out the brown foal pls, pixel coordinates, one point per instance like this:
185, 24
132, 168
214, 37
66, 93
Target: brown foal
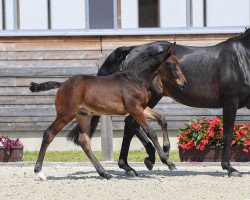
81, 96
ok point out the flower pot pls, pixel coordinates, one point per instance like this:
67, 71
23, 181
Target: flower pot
213, 155
15, 155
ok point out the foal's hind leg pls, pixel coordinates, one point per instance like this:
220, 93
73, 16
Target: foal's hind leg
48, 137
151, 114
85, 143
139, 115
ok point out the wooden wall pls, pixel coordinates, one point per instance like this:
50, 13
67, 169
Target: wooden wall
39, 59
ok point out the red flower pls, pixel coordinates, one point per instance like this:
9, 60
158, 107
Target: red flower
210, 133
204, 132
238, 135
247, 142
196, 126
221, 130
204, 142
182, 136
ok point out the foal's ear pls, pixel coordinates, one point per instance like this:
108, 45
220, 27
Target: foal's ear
170, 49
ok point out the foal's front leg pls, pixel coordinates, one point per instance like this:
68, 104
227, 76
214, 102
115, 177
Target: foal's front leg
139, 115
85, 143
132, 128
151, 114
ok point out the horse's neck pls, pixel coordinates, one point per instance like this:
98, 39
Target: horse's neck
148, 72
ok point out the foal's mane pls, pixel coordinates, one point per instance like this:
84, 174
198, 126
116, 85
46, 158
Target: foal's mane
142, 58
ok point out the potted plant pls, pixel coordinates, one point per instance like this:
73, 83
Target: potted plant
11, 150
202, 140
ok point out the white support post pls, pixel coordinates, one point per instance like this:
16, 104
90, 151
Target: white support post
16, 14
106, 138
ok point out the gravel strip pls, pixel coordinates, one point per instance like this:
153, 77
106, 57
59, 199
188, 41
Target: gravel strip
81, 181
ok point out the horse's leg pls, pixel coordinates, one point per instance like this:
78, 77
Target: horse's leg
151, 114
48, 137
85, 143
132, 127
229, 113
139, 115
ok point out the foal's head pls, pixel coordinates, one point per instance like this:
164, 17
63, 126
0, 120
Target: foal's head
171, 70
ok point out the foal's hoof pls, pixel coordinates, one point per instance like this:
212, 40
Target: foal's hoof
41, 176
131, 174
107, 176
234, 174
172, 167
148, 164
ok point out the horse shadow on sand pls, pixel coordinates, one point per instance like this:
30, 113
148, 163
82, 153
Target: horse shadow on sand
143, 174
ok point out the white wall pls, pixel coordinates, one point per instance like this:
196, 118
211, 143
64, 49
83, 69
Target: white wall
68, 14
129, 14
9, 14
228, 12
33, 14
1, 17
198, 13
172, 13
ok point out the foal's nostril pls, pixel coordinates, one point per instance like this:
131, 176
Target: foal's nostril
184, 84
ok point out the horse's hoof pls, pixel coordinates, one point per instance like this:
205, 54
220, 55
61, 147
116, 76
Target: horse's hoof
41, 176
234, 174
107, 176
148, 164
172, 167
131, 174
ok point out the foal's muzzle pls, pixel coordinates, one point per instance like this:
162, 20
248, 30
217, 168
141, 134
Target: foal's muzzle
184, 84
181, 83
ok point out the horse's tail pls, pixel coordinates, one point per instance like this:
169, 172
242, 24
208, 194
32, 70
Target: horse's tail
35, 87
73, 134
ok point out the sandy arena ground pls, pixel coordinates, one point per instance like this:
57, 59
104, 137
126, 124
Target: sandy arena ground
80, 181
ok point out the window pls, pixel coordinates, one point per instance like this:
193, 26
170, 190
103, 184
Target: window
148, 13
101, 14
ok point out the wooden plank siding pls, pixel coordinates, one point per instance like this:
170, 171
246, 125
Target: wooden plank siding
40, 59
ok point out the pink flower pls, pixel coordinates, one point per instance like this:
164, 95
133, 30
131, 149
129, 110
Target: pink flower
246, 150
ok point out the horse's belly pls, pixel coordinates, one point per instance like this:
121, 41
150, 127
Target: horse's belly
99, 108
196, 98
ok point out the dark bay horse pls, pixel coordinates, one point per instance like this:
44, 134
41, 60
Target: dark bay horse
81, 96
218, 77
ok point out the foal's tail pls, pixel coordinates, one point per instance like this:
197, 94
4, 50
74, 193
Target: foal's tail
35, 87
